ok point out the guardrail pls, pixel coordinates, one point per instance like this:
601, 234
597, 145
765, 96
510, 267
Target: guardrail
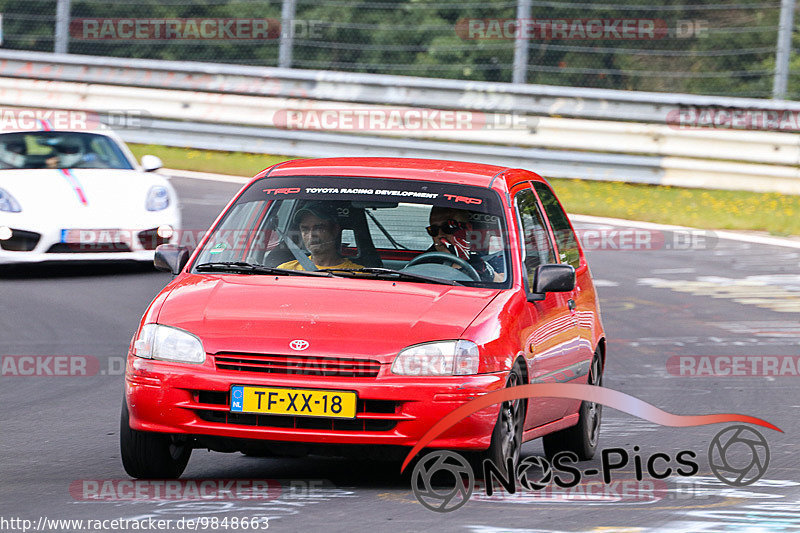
550, 163
232, 107
534, 132
368, 88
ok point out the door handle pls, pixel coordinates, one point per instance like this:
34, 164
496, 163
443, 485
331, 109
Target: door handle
571, 304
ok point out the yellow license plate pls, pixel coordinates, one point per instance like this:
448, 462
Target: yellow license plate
295, 402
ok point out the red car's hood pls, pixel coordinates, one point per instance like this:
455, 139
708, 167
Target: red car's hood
338, 317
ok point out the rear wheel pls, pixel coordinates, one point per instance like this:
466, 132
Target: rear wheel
581, 438
147, 455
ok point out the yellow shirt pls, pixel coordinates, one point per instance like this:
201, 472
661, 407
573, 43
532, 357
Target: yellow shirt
295, 265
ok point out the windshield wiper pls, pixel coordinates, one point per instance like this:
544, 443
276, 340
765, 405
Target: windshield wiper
249, 268
388, 273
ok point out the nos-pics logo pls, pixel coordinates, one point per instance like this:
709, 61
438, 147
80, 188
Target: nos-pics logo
443, 481
724, 454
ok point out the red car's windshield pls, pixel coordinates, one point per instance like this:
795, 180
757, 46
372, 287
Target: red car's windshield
443, 231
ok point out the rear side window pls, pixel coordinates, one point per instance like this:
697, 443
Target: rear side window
538, 250
565, 237
399, 227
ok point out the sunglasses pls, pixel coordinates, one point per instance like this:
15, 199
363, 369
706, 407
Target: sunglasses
449, 227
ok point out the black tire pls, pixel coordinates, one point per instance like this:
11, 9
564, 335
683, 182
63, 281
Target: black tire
507, 434
148, 455
581, 438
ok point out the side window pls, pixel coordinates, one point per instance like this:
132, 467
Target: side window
102, 148
565, 237
348, 238
538, 250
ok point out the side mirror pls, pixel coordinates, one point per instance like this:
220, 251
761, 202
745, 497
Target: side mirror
171, 258
151, 163
552, 278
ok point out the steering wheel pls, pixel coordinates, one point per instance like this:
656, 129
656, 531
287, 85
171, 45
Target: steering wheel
442, 257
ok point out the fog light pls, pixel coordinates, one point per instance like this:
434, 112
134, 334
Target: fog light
165, 231
5, 233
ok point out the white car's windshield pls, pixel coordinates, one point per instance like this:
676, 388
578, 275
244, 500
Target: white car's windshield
395, 229
58, 149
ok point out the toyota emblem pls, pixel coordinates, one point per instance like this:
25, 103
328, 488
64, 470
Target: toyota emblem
298, 344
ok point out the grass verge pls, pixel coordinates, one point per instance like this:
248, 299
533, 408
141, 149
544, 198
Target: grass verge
778, 214
233, 163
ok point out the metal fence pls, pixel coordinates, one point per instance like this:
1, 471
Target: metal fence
733, 48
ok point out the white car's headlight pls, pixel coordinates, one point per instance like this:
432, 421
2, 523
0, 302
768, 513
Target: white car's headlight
157, 198
8, 203
441, 358
168, 344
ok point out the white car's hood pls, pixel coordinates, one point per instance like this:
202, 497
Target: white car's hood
81, 194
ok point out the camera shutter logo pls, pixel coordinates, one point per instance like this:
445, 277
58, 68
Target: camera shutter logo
728, 451
528, 480
298, 345
454, 484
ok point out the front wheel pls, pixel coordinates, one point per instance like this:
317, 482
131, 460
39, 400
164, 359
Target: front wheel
147, 455
506, 440
582, 437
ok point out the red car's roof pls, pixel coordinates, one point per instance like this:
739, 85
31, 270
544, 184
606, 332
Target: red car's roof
398, 168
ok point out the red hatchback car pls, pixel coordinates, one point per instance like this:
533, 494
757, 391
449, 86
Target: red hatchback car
349, 304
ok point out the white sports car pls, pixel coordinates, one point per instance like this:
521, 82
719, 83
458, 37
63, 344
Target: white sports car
80, 195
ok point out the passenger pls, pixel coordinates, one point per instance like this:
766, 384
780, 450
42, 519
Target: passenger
448, 228
13, 154
322, 236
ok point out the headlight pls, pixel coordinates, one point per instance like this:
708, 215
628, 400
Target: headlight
157, 198
442, 358
168, 344
8, 203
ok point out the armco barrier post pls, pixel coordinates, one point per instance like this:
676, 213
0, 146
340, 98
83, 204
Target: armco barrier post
520, 72
287, 37
62, 27
783, 50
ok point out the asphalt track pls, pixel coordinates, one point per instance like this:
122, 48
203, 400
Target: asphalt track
721, 298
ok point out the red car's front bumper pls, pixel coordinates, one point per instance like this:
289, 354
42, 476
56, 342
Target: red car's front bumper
392, 410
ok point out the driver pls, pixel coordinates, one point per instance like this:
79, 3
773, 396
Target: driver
67, 155
448, 228
322, 236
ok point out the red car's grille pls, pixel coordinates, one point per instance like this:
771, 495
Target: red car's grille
298, 364
368, 408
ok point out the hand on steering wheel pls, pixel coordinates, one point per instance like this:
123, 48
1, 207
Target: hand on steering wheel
444, 257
